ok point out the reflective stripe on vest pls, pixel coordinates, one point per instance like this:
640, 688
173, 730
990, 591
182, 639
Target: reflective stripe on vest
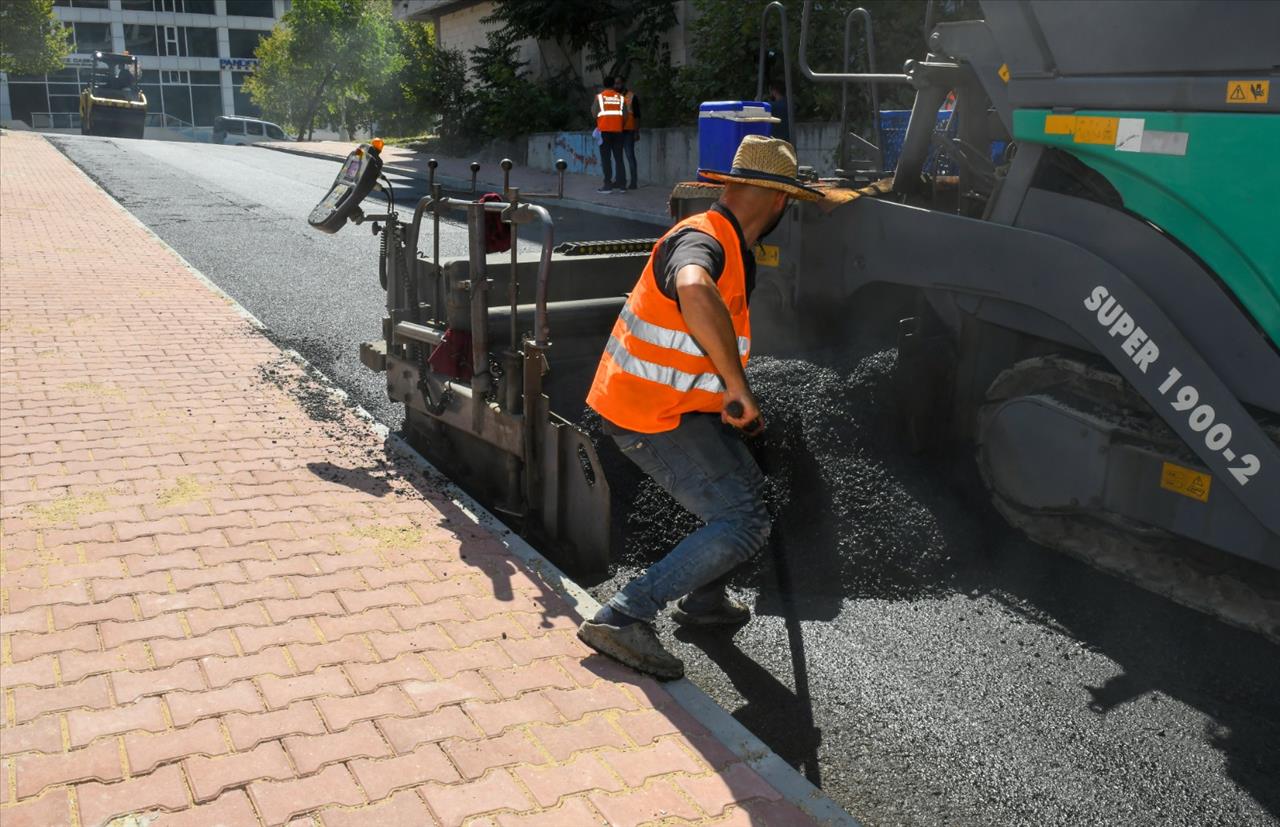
668, 338
611, 106
653, 371
677, 379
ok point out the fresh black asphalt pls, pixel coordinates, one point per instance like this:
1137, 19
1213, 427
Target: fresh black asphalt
920, 662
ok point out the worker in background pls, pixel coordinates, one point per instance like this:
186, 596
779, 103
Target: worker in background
124, 79
630, 128
778, 101
672, 390
608, 111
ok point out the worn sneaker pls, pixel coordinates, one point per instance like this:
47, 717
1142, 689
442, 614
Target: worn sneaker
636, 645
605, 190
725, 612
619, 191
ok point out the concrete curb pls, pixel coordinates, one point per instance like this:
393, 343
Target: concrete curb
794, 787
458, 183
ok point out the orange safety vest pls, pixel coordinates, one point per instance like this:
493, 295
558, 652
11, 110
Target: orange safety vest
611, 106
653, 370
629, 122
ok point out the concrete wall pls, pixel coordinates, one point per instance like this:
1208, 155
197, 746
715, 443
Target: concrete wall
665, 156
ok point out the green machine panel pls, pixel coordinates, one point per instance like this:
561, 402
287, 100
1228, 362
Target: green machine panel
1211, 180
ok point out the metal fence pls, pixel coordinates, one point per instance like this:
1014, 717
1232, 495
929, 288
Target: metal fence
55, 120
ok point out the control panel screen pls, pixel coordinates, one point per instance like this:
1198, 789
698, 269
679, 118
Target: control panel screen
351, 172
355, 179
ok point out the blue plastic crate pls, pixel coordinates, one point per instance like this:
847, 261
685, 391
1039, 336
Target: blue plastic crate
893, 130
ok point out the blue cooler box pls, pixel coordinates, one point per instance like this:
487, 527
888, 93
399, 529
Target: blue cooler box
721, 127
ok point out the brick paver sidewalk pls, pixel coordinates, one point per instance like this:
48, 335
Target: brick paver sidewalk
224, 603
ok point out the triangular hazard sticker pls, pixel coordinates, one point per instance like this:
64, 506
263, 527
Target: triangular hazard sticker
1237, 92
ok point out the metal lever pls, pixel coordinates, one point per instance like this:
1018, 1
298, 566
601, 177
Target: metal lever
786, 60
475, 170
431, 172
870, 44
835, 77
561, 166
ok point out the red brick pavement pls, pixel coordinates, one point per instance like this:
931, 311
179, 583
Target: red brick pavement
224, 602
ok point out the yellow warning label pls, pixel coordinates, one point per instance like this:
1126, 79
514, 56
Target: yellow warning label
1092, 130
768, 255
1084, 129
1185, 481
1248, 91
1059, 124
1003, 72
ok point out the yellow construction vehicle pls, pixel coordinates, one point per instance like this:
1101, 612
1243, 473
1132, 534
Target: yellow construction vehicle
113, 104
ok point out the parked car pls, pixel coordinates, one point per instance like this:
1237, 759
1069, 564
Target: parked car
240, 131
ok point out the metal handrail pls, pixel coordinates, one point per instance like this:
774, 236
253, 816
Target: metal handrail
836, 77
786, 59
522, 213
870, 43
52, 118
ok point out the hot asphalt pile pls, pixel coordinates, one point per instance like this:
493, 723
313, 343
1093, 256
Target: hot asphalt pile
855, 514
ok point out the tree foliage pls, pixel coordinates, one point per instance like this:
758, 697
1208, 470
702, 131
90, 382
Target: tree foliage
327, 60
32, 41
609, 30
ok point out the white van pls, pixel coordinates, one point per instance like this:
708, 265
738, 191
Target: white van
241, 131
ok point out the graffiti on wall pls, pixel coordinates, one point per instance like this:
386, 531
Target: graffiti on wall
578, 149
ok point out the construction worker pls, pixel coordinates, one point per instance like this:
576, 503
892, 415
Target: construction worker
609, 110
630, 128
673, 394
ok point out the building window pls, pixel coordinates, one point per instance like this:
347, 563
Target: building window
243, 42
25, 98
171, 41
81, 4
202, 42
251, 8
188, 6
177, 102
140, 39
243, 105
92, 37
206, 104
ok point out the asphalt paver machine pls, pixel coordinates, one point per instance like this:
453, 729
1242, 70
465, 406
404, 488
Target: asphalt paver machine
113, 104
1097, 306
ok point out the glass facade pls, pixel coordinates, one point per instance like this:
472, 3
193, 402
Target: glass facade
243, 42
193, 69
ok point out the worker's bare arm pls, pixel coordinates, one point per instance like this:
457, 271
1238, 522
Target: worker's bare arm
708, 320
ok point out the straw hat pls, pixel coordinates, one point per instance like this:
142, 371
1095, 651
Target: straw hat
765, 162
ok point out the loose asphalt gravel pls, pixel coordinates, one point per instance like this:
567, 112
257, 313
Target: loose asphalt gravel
911, 655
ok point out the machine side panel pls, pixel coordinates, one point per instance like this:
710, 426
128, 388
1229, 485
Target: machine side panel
1193, 299
1103, 37
936, 250
1172, 169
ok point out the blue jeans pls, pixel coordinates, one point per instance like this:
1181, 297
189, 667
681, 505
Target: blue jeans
611, 157
629, 150
706, 467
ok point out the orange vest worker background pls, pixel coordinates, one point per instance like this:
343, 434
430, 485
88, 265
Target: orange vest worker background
609, 110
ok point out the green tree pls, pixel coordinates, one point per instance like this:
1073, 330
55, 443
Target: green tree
326, 58
574, 26
32, 41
